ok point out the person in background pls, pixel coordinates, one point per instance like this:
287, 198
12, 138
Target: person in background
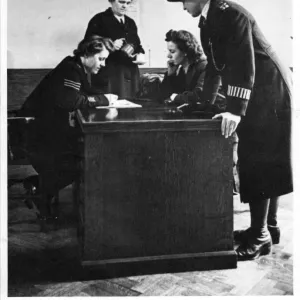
183, 82
121, 75
258, 91
53, 145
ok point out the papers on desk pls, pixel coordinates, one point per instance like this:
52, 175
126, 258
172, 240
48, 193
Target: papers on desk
121, 104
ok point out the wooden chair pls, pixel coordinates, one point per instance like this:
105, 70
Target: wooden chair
18, 155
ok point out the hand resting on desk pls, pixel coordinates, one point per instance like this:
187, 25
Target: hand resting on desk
112, 99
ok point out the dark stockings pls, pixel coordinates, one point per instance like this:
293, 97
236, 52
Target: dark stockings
272, 213
259, 213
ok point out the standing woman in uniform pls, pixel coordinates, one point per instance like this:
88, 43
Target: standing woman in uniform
122, 73
258, 108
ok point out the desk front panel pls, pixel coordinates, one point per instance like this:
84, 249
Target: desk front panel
156, 193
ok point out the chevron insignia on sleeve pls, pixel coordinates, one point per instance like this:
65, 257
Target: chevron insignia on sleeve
236, 91
73, 84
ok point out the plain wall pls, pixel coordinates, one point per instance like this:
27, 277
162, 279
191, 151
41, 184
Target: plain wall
42, 32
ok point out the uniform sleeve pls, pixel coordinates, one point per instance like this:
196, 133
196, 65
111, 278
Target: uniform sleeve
193, 96
240, 63
139, 48
167, 86
212, 83
69, 92
171, 84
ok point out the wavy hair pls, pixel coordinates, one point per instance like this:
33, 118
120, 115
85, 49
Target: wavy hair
93, 44
187, 43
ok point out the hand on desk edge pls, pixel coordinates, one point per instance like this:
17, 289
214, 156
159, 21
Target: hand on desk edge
229, 123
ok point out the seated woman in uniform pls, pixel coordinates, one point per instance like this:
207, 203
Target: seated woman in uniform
184, 79
53, 139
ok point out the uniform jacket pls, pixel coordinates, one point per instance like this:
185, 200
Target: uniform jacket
53, 102
235, 46
188, 86
258, 88
122, 76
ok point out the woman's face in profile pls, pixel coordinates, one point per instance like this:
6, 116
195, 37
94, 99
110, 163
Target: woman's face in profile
94, 63
119, 7
175, 55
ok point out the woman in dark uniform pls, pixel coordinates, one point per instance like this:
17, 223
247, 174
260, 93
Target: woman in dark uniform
53, 140
258, 106
183, 82
121, 74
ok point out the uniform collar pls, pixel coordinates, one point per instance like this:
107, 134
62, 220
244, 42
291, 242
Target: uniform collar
205, 10
109, 12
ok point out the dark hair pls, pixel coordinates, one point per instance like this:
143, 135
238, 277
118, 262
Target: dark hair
187, 43
93, 44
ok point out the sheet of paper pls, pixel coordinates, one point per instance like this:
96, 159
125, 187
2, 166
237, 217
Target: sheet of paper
121, 104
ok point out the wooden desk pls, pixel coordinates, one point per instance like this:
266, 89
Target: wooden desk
155, 193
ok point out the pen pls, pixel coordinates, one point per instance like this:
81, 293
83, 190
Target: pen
183, 105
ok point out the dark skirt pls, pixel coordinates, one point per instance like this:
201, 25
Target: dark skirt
56, 159
264, 151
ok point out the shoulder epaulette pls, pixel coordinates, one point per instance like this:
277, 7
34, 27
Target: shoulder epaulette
223, 5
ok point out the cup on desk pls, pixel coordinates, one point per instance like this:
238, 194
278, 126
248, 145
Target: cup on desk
112, 114
112, 98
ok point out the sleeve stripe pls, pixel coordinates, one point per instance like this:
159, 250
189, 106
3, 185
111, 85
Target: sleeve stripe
244, 94
248, 94
72, 82
229, 90
72, 86
234, 91
239, 92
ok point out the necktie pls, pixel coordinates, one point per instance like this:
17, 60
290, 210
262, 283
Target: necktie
121, 21
202, 22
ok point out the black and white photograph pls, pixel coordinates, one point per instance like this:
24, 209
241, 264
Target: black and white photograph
149, 148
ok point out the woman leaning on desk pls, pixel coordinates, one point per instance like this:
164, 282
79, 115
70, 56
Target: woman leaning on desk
53, 140
183, 82
121, 74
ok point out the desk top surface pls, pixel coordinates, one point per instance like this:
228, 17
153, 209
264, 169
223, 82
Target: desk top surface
151, 116
149, 112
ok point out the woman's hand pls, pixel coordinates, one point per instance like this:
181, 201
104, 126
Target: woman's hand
91, 99
140, 59
112, 99
119, 43
171, 68
171, 99
229, 123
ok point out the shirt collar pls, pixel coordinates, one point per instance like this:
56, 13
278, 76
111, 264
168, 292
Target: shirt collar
205, 9
120, 18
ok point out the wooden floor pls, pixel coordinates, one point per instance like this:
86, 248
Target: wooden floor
41, 264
